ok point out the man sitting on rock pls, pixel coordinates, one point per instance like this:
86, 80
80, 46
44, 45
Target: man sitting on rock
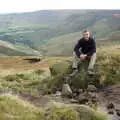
84, 50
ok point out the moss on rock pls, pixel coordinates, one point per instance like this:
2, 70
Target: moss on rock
62, 67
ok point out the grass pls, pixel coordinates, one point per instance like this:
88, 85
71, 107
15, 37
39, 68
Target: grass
25, 82
37, 81
107, 67
19, 75
14, 108
67, 112
108, 64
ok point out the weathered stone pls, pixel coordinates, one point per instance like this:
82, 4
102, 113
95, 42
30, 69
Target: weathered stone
94, 100
91, 88
80, 90
110, 106
73, 101
82, 98
58, 93
66, 90
92, 94
110, 111
118, 112
74, 95
60, 68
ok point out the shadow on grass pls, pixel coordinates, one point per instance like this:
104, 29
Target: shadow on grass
32, 60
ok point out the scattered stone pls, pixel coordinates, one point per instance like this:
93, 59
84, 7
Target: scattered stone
110, 111
91, 88
110, 106
73, 101
75, 90
118, 112
92, 94
80, 90
66, 90
66, 79
58, 93
94, 100
82, 98
74, 95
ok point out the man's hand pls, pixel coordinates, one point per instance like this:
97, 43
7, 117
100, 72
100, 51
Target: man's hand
83, 56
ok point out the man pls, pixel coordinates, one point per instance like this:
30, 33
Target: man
84, 50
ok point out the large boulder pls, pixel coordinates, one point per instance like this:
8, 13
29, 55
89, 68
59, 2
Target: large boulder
62, 67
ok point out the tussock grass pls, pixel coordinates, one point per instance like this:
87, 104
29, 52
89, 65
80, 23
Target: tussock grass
14, 108
24, 82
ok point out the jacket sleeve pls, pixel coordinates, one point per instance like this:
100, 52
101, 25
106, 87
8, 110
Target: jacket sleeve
93, 48
77, 48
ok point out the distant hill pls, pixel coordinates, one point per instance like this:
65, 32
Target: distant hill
6, 51
44, 31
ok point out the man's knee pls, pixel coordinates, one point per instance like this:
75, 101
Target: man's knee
92, 61
93, 56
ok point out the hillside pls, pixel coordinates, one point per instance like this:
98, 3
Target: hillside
63, 45
26, 87
37, 30
35, 65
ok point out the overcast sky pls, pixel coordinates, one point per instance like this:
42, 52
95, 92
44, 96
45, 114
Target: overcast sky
12, 6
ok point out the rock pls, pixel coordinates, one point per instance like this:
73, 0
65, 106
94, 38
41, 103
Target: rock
58, 93
74, 95
92, 94
66, 90
73, 101
110, 111
66, 79
110, 106
94, 100
82, 98
60, 68
80, 90
77, 91
91, 88
118, 112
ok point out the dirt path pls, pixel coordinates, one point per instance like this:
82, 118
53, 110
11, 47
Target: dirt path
110, 94
44, 100
102, 107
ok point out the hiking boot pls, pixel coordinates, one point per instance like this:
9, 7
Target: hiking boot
91, 72
74, 72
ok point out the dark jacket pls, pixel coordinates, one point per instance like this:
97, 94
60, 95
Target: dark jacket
85, 47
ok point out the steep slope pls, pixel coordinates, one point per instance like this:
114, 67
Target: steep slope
63, 45
31, 30
10, 52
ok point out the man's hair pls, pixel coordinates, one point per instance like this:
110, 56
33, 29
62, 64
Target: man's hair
86, 31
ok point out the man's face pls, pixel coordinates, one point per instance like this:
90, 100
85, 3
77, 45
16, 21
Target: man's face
86, 35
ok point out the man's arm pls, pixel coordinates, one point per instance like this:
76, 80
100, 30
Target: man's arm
77, 47
93, 48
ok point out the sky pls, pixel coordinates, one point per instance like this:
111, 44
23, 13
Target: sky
14, 6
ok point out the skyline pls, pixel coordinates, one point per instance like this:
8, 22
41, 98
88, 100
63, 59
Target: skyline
18, 6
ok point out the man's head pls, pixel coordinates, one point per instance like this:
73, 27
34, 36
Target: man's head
86, 34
